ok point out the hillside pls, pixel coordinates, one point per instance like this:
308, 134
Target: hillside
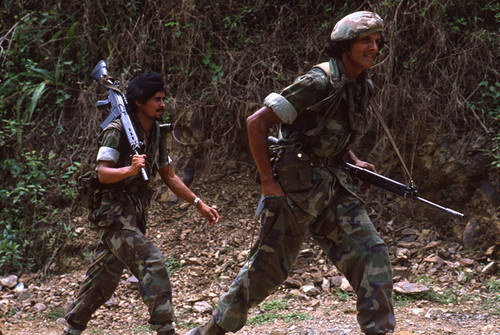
463, 296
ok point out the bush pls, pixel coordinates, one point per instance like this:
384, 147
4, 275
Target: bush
220, 59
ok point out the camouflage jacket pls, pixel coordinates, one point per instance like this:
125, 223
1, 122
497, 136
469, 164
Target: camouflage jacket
324, 113
123, 204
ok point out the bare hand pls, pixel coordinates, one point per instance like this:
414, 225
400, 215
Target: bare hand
138, 162
368, 166
208, 213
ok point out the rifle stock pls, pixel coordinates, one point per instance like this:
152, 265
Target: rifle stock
117, 103
392, 186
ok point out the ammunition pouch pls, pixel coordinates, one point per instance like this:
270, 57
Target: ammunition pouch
89, 190
294, 169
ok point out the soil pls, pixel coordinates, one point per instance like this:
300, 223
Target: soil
460, 292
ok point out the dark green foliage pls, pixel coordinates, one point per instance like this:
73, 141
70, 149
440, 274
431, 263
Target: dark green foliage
220, 60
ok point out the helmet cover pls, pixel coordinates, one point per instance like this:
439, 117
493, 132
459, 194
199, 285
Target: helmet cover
357, 25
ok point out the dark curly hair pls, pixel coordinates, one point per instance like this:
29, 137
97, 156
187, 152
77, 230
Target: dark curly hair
142, 88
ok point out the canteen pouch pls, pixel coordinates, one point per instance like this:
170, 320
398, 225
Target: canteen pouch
90, 189
294, 169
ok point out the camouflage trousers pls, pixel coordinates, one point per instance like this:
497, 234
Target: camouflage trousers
117, 249
346, 234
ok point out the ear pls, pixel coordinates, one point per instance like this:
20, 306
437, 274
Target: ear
138, 104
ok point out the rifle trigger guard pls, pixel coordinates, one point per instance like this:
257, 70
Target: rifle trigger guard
413, 190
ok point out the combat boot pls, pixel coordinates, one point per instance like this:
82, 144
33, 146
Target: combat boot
68, 330
211, 328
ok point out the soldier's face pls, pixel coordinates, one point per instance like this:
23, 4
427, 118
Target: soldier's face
154, 108
362, 52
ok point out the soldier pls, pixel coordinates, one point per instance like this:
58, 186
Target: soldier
120, 218
321, 115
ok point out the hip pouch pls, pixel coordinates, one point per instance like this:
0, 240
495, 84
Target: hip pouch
294, 169
89, 190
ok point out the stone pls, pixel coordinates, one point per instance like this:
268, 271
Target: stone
10, 281
345, 286
39, 307
202, 307
293, 283
325, 285
310, 290
406, 287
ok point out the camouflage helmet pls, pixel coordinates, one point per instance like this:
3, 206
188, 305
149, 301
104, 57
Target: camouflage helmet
356, 25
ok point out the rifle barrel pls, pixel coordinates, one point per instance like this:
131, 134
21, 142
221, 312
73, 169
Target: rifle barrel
392, 186
451, 211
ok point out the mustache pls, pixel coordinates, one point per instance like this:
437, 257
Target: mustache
160, 109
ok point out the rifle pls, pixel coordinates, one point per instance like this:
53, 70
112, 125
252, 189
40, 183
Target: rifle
391, 185
117, 103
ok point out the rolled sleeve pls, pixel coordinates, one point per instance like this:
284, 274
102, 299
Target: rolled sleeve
108, 154
304, 92
281, 107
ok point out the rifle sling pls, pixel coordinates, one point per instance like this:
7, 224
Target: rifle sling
326, 68
391, 139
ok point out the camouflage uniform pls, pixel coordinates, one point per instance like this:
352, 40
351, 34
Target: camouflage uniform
120, 221
322, 115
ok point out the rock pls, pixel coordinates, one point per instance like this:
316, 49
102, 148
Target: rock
310, 290
434, 259
293, 283
25, 295
19, 287
469, 233
306, 253
432, 245
466, 262
325, 285
336, 281
4, 306
493, 252
406, 287
202, 307
242, 256
401, 271
80, 230
345, 286
435, 313
39, 307
489, 329
402, 254
10, 281
417, 311
317, 278
133, 282
112, 302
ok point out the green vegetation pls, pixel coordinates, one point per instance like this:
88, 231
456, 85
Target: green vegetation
172, 264
272, 311
493, 303
343, 295
141, 330
261, 319
55, 313
219, 59
275, 305
452, 295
